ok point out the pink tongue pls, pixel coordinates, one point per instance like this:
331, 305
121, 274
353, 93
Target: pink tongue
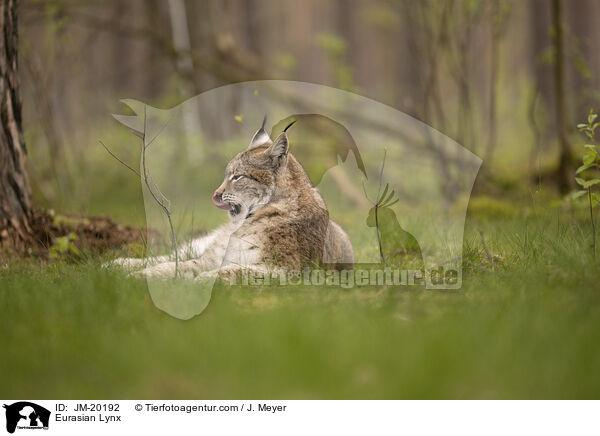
219, 204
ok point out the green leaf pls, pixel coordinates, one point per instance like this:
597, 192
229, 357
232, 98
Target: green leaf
581, 126
392, 203
591, 183
589, 157
577, 194
582, 168
592, 117
389, 197
385, 190
580, 181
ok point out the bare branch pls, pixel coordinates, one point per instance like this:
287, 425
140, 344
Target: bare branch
381, 173
365, 191
164, 203
118, 159
160, 131
166, 208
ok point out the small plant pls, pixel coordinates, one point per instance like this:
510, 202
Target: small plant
383, 199
587, 174
64, 247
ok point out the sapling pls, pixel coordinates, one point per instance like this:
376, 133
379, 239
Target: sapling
383, 199
587, 174
163, 202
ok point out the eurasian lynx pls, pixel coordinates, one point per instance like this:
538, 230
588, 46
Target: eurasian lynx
278, 221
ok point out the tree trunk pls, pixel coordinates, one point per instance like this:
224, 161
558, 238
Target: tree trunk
564, 178
15, 197
494, 65
184, 62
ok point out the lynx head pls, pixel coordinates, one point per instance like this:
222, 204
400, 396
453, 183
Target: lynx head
250, 177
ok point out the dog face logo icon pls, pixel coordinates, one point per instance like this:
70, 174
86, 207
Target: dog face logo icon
26, 415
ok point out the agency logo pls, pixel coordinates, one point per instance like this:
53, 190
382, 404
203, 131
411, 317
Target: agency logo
26, 415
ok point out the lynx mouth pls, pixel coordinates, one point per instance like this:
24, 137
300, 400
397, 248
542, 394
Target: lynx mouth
232, 208
221, 205
218, 201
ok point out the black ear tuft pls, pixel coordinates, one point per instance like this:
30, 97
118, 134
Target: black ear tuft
289, 125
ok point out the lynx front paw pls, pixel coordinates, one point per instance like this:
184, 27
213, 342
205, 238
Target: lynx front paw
230, 275
129, 263
163, 270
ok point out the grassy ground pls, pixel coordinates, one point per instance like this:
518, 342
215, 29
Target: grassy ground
526, 327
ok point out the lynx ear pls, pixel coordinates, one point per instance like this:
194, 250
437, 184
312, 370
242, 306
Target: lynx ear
279, 150
261, 137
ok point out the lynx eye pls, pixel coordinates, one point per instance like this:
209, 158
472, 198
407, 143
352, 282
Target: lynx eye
238, 177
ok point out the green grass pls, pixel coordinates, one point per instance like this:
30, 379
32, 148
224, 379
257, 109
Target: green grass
527, 327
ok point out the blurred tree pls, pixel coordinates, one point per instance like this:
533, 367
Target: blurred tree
563, 174
498, 15
183, 60
541, 99
16, 211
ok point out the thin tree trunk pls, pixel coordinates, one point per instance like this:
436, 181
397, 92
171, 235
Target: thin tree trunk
564, 178
494, 64
41, 87
184, 63
15, 198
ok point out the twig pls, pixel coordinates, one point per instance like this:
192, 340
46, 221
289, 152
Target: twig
381, 256
381, 173
592, 220
165, 207
117, 158
159, 131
